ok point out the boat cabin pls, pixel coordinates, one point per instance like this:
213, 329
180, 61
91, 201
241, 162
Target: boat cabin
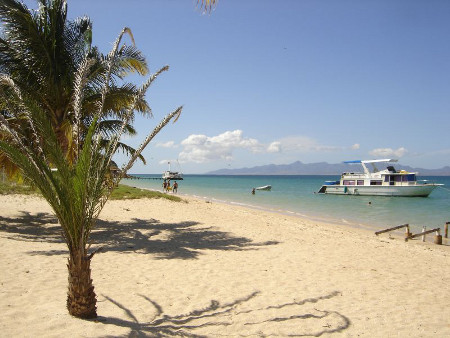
381, 178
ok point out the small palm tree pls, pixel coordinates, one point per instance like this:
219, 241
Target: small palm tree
75, 188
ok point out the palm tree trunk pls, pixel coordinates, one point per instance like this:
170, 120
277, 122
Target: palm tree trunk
81, 298
62, 138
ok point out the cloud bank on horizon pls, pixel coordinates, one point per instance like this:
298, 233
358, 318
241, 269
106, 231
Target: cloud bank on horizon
200, 148
389, 152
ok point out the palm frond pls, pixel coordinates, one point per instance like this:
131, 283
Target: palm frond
173, 115
80, 83
206, 5
109, 128
126, 149
130, 60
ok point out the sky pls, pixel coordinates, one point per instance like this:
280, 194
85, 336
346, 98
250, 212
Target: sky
279, 81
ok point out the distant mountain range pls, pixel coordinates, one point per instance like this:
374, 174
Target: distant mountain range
320, 168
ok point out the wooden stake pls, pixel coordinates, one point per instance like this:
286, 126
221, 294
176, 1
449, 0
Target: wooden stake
407, 233
424, 228
446, 229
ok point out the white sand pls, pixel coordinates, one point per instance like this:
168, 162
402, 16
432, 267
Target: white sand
210, 269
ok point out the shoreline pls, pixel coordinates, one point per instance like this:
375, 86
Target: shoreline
366, 227
314, 218
294, 198
208, 269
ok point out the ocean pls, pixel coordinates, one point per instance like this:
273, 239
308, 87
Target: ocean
295, 195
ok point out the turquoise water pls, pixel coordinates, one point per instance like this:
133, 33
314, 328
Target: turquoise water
295, 195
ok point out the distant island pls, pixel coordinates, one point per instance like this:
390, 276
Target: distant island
320, 168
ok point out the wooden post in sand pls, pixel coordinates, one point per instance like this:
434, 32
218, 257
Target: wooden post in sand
424, 228
437, 238
446, 229
407, 233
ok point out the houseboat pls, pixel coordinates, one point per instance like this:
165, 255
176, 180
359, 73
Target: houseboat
385, 182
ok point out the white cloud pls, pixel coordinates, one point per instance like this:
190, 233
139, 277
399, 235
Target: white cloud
355, 146
274, 147
388, 152
169, 144
300, 144
202, 148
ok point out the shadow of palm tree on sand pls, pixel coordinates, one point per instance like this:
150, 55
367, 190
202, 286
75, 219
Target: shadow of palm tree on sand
295, 319
186, 240
183, 240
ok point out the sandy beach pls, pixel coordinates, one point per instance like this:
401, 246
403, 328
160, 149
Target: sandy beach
210, 269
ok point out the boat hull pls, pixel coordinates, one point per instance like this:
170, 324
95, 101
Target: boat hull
172, 175
266, 187
422, 190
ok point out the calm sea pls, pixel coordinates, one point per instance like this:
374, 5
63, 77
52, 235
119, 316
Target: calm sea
296, 195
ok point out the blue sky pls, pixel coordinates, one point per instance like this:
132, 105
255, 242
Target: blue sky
276, 81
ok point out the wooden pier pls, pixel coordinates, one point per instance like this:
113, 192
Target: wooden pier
143, 178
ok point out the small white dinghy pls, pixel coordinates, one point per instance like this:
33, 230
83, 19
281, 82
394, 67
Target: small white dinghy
264, 187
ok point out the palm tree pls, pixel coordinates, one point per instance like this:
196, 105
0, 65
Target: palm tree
75, 188
62, 114
42, 50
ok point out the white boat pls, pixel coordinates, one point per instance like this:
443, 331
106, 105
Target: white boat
264, 187
386, 182
172, 175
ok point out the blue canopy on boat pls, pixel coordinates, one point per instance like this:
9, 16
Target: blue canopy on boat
371, 161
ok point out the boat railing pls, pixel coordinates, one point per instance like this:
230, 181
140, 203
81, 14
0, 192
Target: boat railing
406, 183
354, 175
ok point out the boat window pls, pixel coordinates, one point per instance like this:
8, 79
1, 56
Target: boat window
397, 178
360, 182
375, 182
408, 178
411, 177
349, 182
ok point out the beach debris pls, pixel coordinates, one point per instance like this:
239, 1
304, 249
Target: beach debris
409, 235
437, 237
406, 226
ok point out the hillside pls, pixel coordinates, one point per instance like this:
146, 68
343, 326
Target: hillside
320, 168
